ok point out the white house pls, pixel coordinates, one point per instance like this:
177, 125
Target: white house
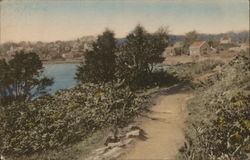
199, 48
226, 40
68, 55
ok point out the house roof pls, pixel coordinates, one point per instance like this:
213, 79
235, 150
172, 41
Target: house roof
170, 47
197, 43
225, 37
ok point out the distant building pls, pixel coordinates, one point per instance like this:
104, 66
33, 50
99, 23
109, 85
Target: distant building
67, 55
226, 40
169, 51
179, 48
245, 47
199, 48
176, 49
235, 49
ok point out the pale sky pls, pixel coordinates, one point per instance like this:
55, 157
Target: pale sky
34, 20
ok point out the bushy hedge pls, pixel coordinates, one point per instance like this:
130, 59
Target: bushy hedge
65, 118
187, 71
219, 121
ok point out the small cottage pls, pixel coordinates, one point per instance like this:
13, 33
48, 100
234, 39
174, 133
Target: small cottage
226, 40
179, 48
169, 51
199, 48
68, 55
176, 49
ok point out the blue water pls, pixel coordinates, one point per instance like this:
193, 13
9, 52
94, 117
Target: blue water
63, 75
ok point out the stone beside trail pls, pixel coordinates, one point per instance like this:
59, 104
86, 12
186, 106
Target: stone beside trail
156, 135
165, 133
115, 147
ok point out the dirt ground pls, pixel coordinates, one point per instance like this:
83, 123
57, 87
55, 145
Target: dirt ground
163, 127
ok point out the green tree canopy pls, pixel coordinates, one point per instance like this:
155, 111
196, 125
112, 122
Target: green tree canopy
21, 78
99, 65
212, 42
4, 77
138, 55
189, 38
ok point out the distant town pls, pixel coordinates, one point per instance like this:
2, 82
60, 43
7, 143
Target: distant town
71, 51
206, 45
51, 51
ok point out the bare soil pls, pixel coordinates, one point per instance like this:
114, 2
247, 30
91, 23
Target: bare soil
163, 127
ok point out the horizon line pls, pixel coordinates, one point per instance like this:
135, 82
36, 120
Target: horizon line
75, 38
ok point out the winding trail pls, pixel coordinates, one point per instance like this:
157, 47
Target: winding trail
163, 127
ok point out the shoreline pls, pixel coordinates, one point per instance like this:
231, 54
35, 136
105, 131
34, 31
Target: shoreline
62, 61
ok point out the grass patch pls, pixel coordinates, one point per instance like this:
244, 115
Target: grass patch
187, 71
73, 152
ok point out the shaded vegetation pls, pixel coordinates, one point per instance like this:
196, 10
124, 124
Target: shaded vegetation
131, 62
21, 78
218, 125
65, 118
189, 38
138, 56
73, 152
99, 65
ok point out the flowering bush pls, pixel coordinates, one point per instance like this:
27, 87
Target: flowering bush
65, 118
219, 124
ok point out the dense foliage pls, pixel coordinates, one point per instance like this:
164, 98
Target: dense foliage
21, 78
219, 122
66, 117
132, 61
99, 65
212, 42
138, 56
189, 38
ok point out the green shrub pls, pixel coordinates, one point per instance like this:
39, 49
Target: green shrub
65, 118
187, 71
218, 125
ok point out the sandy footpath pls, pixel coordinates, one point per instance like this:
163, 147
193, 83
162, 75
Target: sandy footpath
163, 127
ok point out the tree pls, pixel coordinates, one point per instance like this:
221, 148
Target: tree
140, 53
189, 38
21, 78
99, 65
4, 78
212, 42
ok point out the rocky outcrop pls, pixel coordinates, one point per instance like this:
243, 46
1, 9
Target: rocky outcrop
116, 145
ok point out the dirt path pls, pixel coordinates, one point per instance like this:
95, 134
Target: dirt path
164, 128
